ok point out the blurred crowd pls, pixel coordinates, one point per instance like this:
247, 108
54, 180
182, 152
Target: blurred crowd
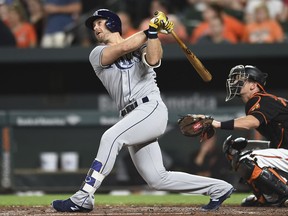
59, 23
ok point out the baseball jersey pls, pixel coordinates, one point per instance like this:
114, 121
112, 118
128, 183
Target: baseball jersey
272, 113
127, 79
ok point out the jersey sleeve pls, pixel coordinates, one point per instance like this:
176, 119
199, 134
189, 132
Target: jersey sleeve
262, 107
143, 56
95, 57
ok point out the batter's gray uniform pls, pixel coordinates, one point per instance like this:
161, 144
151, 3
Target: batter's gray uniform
131, 83
129, 80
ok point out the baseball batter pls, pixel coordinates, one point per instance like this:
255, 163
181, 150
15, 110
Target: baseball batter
126, 69
264, 170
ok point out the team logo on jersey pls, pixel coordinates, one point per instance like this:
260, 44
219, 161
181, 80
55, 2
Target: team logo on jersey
255, 107
127, 61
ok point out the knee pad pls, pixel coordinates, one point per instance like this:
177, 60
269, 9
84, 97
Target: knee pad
246, 168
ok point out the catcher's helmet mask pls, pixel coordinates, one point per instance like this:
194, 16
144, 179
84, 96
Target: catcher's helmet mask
113, 22
239, 75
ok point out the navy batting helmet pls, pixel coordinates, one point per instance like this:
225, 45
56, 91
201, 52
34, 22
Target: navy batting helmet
238, 75
113, 22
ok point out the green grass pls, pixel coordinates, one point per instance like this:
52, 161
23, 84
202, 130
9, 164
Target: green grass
104, 199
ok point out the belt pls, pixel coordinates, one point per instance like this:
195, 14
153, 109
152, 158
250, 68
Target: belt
127, 109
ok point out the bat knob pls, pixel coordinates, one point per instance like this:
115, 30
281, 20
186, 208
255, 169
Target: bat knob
156, 13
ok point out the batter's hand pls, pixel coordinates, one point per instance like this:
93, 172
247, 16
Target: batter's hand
167, 27
158, 19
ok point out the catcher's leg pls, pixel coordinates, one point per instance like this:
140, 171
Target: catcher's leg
268, 186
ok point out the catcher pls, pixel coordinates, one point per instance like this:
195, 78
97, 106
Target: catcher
264, 170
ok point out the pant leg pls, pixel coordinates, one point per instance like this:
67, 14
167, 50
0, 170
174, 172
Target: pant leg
274, 158
144, 124
148, 161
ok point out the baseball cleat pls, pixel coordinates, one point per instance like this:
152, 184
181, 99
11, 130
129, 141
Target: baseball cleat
68, 206
249, 201
285, 203
214, 204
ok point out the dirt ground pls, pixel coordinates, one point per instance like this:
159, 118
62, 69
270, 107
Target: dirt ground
148, 210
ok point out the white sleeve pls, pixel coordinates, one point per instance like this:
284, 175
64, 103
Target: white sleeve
146, 63
95, 56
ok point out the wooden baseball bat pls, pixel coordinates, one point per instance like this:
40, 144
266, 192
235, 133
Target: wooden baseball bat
193, 59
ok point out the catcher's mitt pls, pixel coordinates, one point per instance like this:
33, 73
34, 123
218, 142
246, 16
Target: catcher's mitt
196, 125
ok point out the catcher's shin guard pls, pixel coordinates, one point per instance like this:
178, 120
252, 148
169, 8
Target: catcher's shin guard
267, 184
271, 179
92, 177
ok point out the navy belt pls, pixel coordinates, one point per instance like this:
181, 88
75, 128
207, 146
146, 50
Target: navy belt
133, 105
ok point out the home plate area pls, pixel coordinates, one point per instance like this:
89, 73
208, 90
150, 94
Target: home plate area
131, 210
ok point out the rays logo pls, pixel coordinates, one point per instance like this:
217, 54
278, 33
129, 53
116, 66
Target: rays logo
127, 61
88, 179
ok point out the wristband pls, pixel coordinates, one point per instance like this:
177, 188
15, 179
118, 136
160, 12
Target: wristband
146, 32
152, 33
227, 125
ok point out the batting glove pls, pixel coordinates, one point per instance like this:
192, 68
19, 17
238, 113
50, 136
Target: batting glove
158, 19
167, 27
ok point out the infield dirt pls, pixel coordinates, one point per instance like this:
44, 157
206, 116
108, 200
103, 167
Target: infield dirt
146, 210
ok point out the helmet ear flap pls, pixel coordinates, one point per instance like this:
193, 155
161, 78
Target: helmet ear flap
113, 22
113, 25
239, 143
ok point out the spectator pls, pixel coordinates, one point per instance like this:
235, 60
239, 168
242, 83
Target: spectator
179, 27
191, 15
127, 27
235, 8
36, 16
59, 15
23, 31
283, 18
4, 11
137, 9
233, 28
6, 36
263, 29
275, 8
215, 33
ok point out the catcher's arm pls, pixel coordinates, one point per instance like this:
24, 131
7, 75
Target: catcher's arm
246, 122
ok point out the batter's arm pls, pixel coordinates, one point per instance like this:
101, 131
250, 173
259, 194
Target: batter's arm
154, 51
114, 51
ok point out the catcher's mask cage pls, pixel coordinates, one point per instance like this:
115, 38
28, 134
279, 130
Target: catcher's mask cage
239, 75
113, 22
